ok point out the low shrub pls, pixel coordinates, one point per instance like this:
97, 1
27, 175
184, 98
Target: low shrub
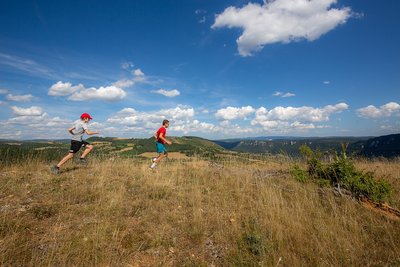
342, 173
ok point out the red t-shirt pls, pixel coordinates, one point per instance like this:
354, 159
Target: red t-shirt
162, 131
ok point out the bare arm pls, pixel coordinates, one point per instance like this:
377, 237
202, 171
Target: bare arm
70, 130
164, 139
90, 133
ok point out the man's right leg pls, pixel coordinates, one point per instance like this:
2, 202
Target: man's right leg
56, 168
155, 161
160, 157
65, 159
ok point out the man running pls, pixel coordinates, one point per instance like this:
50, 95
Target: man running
77, 132
160, 143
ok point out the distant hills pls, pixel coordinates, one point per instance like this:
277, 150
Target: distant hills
382, 146
385, 146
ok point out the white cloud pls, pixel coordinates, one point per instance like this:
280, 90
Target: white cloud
3, 91
194, 126
127, 65
326, 82
130, 121
284, 119
303, 114
80, 93
29, 119
139, 76
130, 116
109, 93
200, 11
232, 113
14, 135
124, 83
19, 98
288, 95
372, 112
281, 21
178, 112
32, 111
64, 89
34, 123
138, 73
277, 93
171, 93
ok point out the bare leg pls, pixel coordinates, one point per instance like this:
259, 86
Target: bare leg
160, 157
65, 159
87, 150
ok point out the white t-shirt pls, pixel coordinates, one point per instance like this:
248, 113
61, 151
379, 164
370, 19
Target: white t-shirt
80, 128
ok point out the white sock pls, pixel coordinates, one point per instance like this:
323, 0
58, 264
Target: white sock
153, 165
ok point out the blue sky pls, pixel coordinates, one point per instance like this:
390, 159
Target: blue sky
216, 69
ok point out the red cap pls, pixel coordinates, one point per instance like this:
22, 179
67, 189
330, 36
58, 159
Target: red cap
86, 115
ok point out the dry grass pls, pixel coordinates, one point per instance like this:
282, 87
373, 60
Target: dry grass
187, 213
171, 155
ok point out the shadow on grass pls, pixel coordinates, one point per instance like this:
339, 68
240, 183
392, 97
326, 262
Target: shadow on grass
70, 169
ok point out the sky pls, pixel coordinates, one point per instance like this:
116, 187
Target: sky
215, 69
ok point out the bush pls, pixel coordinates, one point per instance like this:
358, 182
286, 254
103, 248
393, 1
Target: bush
299, 174
342, 173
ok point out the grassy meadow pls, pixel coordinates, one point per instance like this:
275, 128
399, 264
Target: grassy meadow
232, 211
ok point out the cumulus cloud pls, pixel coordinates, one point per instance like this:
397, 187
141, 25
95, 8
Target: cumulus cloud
64, 89
19, 98
130, 121
109, 93
80, 93
305, 114
178, 112
33, 122
232, 113
170, 93
3, 91
130, 116
32, 111
372, 112
298, 118
281, 21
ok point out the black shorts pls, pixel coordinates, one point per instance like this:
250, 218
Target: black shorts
76, 145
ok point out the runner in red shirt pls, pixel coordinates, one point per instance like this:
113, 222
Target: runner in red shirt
160, 143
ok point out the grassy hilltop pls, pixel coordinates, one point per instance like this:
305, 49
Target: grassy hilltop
195, 209
49, 150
